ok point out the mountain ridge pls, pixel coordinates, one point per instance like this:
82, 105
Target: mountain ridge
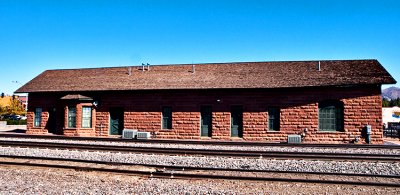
391, 93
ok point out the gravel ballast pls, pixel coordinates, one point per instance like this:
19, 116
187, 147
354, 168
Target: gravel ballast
27, 180
34, 180
383, 168
218, 147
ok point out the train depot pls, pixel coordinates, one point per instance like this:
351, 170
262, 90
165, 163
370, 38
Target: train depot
334, 101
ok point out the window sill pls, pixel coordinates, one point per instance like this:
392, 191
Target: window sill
273, 131
70, 128
114, 136
236, 138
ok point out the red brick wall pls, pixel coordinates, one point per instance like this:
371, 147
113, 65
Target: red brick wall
49, 102
79, 130
42, 101
221, 126
299, 110
102, 124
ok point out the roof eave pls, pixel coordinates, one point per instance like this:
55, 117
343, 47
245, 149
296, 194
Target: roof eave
154, 89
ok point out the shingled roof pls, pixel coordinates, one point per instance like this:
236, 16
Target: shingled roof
285, 74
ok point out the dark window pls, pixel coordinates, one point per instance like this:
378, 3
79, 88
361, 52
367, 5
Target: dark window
330, 116
38, 117
86, 117
71, 117
273, 119
166, 118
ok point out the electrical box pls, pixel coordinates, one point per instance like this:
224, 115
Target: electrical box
369, 129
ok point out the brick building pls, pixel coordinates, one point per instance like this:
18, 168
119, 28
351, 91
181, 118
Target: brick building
327, 101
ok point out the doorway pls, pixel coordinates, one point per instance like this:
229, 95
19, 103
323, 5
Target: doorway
236, 121
206, 121
116, 121
52, 121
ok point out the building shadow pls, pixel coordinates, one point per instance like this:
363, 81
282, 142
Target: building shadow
16, 131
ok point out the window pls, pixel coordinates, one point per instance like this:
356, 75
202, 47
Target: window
86, 117
38, 117
273, 119
330, 116
166, 118
71, 117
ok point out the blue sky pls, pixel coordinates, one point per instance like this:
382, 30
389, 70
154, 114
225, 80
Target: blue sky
36, 35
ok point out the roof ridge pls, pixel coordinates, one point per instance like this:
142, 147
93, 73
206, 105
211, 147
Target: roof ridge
214, 63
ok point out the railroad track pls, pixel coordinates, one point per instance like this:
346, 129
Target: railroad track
199, 142
178, 172
207, 152
183, 168
203, 152
186, 172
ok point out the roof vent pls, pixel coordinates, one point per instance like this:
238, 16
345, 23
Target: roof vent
130, 71
193, 68
319, 66
143, 67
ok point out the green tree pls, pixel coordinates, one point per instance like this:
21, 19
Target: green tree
385, 102
391, 103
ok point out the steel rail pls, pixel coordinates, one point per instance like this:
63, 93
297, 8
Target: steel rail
199, 142
206, 152
179, 168
199, 176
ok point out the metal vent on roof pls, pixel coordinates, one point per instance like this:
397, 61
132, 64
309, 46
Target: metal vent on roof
144, 68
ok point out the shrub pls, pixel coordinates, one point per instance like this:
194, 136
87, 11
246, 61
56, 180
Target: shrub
16, 122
